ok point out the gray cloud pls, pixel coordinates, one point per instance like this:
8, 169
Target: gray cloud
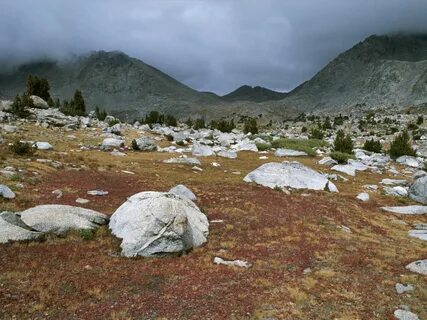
214, 45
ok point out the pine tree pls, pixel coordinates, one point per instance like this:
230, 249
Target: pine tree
343, 142
79, 103
401, 146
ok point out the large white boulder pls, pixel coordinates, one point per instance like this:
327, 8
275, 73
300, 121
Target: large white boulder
39, 102
345, 168
418, 190
146, 144
111, 143
157, 223
59, 219
289, 174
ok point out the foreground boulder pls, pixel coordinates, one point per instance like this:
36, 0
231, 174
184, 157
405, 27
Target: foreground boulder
59, 219
289, 174
418, 191
157, 223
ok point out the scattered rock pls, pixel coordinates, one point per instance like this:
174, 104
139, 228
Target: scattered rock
418, 190
6, 193
402, 288
419, 266
111, 143
363, 196
396, 191
13, 229
58, 193
183, 160
156, 223
228, 154
232, 263
327, 161
59, 219
408, 161
345, 168
393, 182
407, 209
43, 146
419, 234
183, 191
201, 151
405, 315
146, 144
97, 193
82, 200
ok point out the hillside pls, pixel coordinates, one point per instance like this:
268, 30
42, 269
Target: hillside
254, 94
113, 81
380, 71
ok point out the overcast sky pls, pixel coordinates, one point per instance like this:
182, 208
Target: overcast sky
214, 45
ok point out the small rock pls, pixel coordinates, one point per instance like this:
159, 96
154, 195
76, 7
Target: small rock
405, 315
401, 288
6, 193
82, 201
363, 196
233, 263
97, 193
419, 266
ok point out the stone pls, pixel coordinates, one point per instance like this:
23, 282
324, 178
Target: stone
396, 191
156, 224
43, 146
199, 150
183, 160
117, 153
418, 190
288, 174
111, 143
183, 191
39, 102
402, 288
345, 168
419, 234
363, 196
419, 266
228, 154
146, 144
289, 153
59, 219
6, 193
97, 193
245, 145
408, 161
58, 193
405, 315
327, 161
9, 129
359, 166
13, 229
82, 201
414, 209
393, 182
232, 263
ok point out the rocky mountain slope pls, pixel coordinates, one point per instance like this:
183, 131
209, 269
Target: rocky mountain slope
380, 71
254, 94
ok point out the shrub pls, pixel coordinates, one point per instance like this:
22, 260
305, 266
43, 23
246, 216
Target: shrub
100, 114
316, 134
19, 106
76, 106
189, 122
343, 142
327, 124
263, 146
250, 126
199, 124
307, 146
401, 146
135, 145
303, 129
87, 234
171, 121
372, 145
22, 148
412, 126
420, 120
38, 87
180, 143
341, 157
223, 125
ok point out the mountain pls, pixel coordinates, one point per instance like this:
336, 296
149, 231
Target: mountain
112, 80
254, 94
388, 70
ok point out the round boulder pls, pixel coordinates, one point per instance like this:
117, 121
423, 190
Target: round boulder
156, 223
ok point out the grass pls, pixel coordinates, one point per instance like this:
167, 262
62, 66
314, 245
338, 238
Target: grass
308, 146
341, 157
263, 146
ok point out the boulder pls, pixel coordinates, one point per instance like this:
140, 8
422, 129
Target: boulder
345, 168
401, 314
363, 196
289, 153
43, 145
183, 191
406, 209
6, 193
402, 288
111, 143
39, 102
418, 190
419, 266
9, 129
228, 154
397, 191
419, 234
408, 161
157, 223
146, 144
327, 161
288, 174
13, 229
393, 182
245, 145
232, 263
59, 219
201, 151
183, 160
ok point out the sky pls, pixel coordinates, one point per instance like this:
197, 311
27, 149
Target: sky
210, 45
